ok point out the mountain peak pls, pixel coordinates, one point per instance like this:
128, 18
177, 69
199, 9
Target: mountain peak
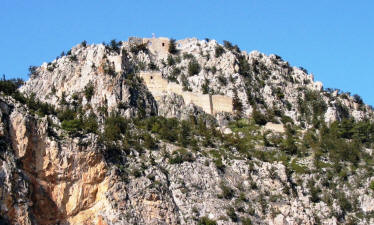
194, 67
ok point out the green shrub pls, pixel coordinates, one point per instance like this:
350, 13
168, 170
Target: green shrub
51, 67
185, 83
184, 133
172, 47
219, 50
135, 49
228, 45
206, 221
371, 186
358, 99
136, 172
286, 119
344, 203
244, 67
246, 221
227, 192
175, 72
193, 68
303, 69
152, 66
181, 155
89, 91
222, 80
113, 128
32, 70
258, 117
279, 93
9, 87
149, 141
109, 69
167, 132
311, 105
230, 212
170, 60
213, 69
73, 58
188, 56
205, 87
219, 164
314, 192
72, 126
67, 114
237, 104
298, 168
288, 145
115, 46
90, 124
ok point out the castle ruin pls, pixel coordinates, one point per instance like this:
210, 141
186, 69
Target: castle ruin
211, 104
155, 45
157, 85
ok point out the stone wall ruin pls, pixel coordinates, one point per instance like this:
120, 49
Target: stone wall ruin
211, 104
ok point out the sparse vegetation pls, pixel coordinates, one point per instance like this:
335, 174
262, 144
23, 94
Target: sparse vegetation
152, 66
181, 155
188, 56
371, 185
114, 46
218, 51
237, 104
205, 87
324, 161
232, 214
89, 91
135, 49
222, 80
259, 118
172, 47
227, 192
170, 60
206, 221
193, 67
32, 71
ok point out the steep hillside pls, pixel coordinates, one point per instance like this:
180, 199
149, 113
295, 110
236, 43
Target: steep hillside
158, 131
266, 83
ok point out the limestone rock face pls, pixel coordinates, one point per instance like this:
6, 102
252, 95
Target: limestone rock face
61, 179
172, 105
48, 180
266, 82
50, 175
94, 67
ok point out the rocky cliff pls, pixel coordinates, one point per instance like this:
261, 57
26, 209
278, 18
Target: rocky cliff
85, 142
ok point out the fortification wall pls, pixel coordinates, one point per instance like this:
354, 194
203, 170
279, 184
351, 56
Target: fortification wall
159, 46
221, 103
198, 99
157, 85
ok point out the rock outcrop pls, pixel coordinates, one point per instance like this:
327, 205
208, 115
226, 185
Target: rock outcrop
264, 82
198, 167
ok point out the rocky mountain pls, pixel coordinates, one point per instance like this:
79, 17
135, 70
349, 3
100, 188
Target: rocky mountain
159, 131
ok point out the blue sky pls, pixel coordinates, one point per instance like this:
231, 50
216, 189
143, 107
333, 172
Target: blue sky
331, 39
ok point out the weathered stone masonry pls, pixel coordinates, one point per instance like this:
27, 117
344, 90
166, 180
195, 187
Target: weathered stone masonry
211, 104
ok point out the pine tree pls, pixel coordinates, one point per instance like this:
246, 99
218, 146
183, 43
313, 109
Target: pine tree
172, 47
237, 104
